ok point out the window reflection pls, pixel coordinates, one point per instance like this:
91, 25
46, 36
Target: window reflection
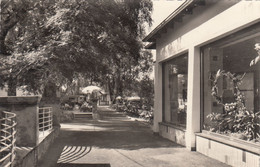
233, 57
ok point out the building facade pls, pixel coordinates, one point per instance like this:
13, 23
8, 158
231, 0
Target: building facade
194, 44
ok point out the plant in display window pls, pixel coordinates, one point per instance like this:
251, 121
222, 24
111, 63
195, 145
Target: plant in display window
236, 120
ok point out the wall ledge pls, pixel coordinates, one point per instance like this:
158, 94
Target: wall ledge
173, 126
231, 141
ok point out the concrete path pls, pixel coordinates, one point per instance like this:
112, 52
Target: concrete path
117, 141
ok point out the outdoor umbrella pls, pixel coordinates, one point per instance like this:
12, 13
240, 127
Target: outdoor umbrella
133, 98
91, 89
118, 97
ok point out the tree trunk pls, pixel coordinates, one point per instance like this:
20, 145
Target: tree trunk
11, 88
110, 90
118, 84
2, 47
5, 28
111, 87
50, 93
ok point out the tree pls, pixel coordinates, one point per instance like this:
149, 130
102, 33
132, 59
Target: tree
58, 39
17, 17
11, 13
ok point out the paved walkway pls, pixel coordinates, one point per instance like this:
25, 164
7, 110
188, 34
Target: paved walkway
117, 141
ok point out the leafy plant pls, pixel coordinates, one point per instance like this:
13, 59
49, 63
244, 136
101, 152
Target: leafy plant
236, 117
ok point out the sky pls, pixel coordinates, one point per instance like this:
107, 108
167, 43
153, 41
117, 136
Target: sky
162, 9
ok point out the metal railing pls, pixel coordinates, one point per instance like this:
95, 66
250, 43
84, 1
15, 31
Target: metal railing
7, 138
45, 119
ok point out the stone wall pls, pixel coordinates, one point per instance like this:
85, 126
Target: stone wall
26, 109
173, 133
31, 159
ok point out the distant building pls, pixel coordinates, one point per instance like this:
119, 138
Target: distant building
192, 44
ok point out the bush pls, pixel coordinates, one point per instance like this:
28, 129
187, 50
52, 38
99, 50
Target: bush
66, 116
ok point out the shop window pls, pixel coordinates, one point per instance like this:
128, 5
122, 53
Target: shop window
175, 74
232, 55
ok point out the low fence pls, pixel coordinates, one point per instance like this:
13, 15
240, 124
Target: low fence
45, 119
8, 138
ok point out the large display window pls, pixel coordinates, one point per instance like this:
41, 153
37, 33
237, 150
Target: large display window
175, 74
231, 84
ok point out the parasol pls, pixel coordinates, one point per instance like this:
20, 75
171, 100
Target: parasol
133, 98
118, 97
91, 89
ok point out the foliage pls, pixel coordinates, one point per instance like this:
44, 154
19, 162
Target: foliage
66, 116
12, 11
146, 90
57, 40
236, 118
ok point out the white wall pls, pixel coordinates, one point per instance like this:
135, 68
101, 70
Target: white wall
219, 19
189, 33
157, 97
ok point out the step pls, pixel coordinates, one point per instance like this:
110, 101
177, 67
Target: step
83, 115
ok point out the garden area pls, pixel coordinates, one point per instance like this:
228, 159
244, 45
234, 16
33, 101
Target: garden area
134, 107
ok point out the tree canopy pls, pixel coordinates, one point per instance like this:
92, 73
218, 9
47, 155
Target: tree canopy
55, 40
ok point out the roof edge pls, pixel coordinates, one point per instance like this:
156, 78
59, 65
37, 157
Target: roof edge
151, 45
167, 20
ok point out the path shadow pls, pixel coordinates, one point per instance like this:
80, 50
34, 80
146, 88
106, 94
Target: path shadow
113, 131
127, 135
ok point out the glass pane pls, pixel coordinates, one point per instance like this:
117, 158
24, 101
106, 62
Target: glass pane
235, 58
175, 74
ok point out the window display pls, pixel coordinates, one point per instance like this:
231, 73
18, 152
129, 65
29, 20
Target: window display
231, 83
